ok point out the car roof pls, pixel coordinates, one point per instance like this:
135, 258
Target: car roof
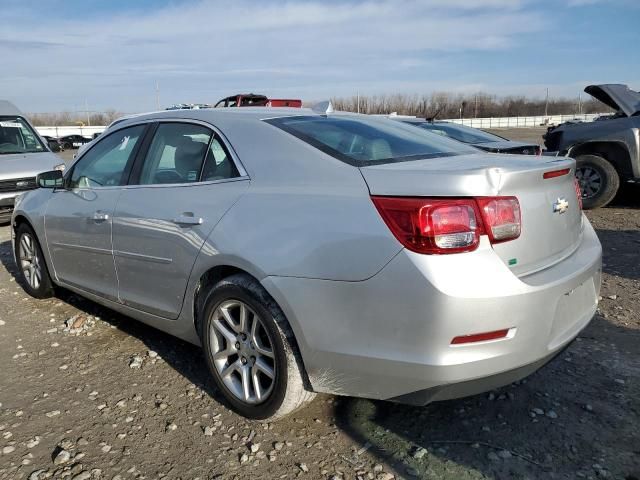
8, 108
214, 115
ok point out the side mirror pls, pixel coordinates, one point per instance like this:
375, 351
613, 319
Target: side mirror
54, 146
51, 179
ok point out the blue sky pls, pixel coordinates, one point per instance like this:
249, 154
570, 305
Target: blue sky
60, 53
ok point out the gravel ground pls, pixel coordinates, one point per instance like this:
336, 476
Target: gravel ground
87, 393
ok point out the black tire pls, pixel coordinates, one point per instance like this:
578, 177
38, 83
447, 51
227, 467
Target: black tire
608, 185
288, 392
44, 288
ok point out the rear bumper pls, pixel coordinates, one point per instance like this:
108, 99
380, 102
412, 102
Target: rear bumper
475, 386
390, 336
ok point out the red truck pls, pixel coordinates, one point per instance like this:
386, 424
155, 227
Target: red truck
254, 100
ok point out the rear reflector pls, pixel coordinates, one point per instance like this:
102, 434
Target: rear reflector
556, 173
480, 337
576, 185
501, 217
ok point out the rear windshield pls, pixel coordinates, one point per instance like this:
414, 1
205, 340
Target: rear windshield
363, 141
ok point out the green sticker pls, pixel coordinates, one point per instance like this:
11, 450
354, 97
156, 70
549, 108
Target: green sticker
513, 261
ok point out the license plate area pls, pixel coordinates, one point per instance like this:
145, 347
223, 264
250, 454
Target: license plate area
575, 309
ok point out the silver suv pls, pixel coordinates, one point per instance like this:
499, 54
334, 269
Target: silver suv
23, 155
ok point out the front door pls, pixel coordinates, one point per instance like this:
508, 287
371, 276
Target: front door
78, 219
178, 193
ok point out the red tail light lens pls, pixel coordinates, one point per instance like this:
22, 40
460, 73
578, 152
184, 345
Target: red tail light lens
555, 173
576, 184
432, 225
501, 217
438, 226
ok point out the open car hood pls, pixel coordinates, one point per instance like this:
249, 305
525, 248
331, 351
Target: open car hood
617, 96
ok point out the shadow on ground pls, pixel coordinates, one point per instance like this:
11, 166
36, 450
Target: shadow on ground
587, 427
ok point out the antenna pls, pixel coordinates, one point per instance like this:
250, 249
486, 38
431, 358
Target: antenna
323, 108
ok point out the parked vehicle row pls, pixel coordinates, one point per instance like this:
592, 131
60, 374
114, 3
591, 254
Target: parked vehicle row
309, 251
489, 142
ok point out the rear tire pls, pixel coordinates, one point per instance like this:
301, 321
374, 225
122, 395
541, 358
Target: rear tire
599, 181
32, 267
240, 354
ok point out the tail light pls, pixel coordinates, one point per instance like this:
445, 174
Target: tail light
501, 217
438, 226
576, 184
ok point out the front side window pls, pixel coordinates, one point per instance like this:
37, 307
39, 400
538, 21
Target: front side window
17, 136
364, 141
176, 154
105, 164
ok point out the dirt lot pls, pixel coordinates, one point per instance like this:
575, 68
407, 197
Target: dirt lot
71, 405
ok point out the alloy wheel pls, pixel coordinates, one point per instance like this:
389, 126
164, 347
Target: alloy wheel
30, 261
242, 351
590, 181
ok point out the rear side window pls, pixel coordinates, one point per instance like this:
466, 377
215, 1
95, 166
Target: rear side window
218, 165
362, 141
176, 154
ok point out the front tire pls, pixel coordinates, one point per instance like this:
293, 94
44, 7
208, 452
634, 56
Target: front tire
249, 349
32, 267
598, 179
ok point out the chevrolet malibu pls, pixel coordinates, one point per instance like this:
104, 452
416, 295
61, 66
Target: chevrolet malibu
316, 251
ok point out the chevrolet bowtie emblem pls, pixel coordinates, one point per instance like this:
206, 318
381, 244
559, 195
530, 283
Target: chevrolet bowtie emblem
560, 206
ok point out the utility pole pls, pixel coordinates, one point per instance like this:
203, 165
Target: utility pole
475, 113
157, 95
546, 104
86, 108
580, 104
358, 100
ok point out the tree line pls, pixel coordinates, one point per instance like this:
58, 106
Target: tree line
64, 119
435, 105
450, 105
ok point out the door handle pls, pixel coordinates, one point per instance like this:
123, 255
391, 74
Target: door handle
100, 216
187, 218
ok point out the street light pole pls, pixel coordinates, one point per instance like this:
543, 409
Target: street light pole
546, 104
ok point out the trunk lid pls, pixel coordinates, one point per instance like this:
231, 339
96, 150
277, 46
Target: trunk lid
547, 235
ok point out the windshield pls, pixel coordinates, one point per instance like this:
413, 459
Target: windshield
459, 132
17, 136
363, 141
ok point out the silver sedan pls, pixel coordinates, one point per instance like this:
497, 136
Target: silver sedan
312, 251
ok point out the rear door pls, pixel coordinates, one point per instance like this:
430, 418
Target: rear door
78, 218
179, 191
